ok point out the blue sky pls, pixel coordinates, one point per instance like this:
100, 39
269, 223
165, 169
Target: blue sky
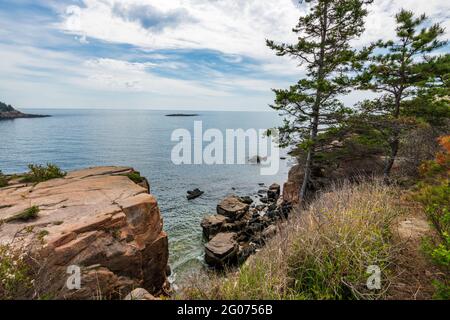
159, 54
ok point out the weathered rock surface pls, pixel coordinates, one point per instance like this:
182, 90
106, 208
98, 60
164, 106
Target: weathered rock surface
212, 225
345, 169
232, 207
221, 250
97, 219
139, 294
274, 192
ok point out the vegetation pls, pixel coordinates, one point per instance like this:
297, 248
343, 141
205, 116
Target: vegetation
26, 215
434, 193
14, 279
311, 105
3, 180
398, 71
322, 254
135, 177
411, 82
39, 173
6, 107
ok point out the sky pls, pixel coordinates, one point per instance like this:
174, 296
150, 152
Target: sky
161, 54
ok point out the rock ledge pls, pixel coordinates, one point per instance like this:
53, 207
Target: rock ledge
97, 219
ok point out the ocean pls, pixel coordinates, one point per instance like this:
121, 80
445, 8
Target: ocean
75, 139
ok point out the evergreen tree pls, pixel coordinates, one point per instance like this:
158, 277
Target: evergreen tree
397, 69
311, 106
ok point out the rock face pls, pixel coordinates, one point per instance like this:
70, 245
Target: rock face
348, 169
97, 219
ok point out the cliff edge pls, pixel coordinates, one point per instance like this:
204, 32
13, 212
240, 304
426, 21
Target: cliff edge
97, 220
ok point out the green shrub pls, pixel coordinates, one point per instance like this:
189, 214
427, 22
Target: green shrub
434, 194
14, 278
135, 177
26, 215
39, 173
3, 180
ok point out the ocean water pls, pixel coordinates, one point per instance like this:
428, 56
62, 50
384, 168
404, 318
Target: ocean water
75, 139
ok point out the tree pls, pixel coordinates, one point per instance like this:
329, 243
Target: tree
311, 106
397, 69
432, 101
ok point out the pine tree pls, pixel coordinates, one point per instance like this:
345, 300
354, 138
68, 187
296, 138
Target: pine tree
397, 69
311, 106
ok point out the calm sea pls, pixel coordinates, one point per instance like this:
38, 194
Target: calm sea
76, 139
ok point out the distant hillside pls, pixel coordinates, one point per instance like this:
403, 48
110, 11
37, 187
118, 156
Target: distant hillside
6, 107
7, 112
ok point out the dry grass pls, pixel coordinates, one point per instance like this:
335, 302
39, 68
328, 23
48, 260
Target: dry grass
321, 253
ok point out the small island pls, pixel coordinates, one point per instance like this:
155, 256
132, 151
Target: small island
7, 112
182, 115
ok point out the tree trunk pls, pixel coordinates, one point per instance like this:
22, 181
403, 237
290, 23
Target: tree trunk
395, 143
316, 109
309, 161
390, 161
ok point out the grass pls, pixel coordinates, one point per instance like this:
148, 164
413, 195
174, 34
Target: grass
322, 253
39, 173
26, 215
42, 234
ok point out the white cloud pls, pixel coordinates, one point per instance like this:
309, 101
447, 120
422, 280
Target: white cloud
119, 75
380, 23
233, 27
230, 26
237, 29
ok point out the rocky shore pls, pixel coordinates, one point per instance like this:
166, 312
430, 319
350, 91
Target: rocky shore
242, 226
96, 219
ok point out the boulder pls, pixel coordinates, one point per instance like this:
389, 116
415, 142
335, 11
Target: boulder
221, 250
191, 195
233, 208
274, 192
212, 225
97, 219
139, 294
269, 232
292, 186
246, 200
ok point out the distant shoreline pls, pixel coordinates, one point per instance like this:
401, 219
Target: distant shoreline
182, 115
20, 115
7, 112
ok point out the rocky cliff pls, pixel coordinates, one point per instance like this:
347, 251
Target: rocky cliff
323, 177
96, 219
